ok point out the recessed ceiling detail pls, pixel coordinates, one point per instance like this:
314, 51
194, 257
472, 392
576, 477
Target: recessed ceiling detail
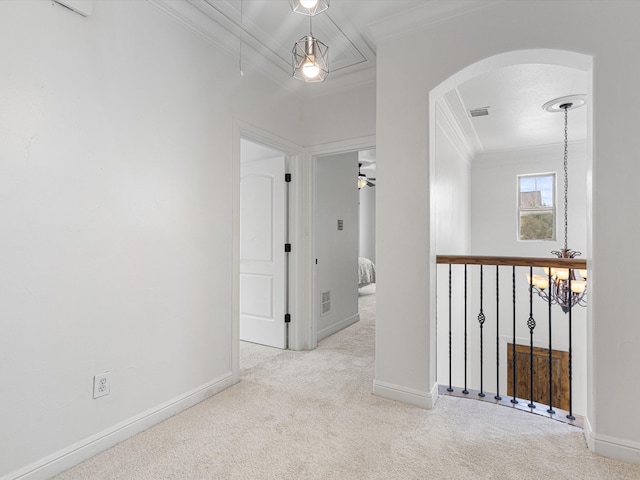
260, 32
269, 28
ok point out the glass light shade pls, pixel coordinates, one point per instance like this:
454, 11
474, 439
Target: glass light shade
583, 273
578, 286
309, 7
541, 282
562, 273
310, 59
362, 182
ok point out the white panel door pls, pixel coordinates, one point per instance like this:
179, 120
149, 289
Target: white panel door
262, 257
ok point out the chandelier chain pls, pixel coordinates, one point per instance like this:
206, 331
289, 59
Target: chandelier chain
566, 175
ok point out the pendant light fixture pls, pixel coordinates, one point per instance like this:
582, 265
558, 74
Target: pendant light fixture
568, 286
309, 7
310, 57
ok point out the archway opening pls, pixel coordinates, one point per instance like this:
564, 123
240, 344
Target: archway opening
487, 129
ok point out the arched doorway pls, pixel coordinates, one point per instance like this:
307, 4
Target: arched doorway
474, 165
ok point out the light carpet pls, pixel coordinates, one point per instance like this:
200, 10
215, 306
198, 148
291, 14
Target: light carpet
311, 415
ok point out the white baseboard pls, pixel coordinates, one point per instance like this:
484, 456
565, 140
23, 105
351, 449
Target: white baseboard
338, 326
80, 451
612, 447
406, 395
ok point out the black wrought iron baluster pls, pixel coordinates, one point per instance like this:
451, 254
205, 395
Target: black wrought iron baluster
513, 281
481, 319
550, 409
497, 395
465, 391
570, 415
531, 323
450, 389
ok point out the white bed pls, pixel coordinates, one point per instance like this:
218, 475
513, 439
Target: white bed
366, 272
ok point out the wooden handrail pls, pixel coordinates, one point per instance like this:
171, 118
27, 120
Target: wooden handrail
575, 263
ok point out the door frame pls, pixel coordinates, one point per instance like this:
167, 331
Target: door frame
303, 304
311, 154
292, 153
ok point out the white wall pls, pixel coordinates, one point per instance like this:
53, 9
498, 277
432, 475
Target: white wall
342, 115
337, 250
494, 218
116, 221
452, 193
452, 212
367, 213
605, 31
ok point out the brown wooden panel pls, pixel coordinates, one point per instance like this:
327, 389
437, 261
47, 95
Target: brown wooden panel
512, 261
560, 375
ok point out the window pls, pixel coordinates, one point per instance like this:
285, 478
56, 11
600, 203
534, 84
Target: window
537, 206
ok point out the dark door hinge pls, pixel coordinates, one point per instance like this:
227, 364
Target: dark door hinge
287, 318
287, 247
287, 177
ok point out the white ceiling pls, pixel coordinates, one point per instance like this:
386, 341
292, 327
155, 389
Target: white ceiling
271, 28
514, 97
268, 29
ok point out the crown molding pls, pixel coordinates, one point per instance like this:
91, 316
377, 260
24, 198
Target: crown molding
190, 15
512, 156
430, 12
450, 119
449, 127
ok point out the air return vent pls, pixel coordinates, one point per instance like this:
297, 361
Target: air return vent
326, 303
479, 112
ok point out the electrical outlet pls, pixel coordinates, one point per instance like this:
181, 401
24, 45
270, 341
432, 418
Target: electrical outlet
101, 384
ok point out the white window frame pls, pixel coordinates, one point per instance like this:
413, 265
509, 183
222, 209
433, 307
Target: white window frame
540, 209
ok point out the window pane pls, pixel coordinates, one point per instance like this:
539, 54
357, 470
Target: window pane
536, 191
527, 184
536, 226
545, 186
536, 206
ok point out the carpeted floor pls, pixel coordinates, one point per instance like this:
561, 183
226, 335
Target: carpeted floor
311, 415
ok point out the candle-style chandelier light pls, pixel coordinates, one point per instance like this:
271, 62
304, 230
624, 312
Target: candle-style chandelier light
563, 286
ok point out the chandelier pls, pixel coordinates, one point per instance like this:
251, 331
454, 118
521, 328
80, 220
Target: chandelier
310, 57
563, 286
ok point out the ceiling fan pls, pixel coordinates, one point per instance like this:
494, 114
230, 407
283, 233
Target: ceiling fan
363, 180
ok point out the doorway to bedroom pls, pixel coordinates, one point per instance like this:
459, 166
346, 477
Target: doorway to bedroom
367, 181
344, 225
